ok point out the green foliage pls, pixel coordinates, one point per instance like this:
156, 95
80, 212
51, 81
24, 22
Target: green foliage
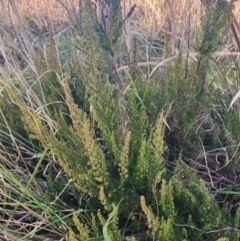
113, 132
10, 116
216, 17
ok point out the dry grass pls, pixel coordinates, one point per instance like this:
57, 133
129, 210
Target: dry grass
151, 14
179, 18
40, 10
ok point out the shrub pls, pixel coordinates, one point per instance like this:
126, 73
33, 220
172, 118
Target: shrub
114, 131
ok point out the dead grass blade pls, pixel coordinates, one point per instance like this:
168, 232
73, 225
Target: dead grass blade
235, 98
